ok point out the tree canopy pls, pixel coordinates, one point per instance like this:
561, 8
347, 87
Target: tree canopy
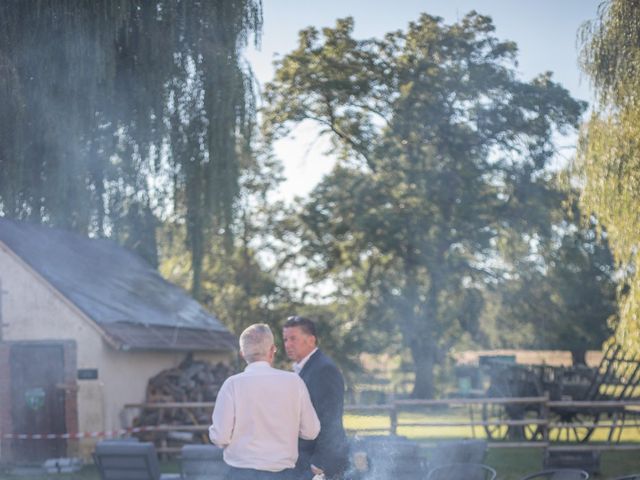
441, 224
609, 149
442, 152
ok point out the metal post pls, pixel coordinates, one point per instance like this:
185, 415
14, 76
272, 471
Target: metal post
2, 324
545, 416
473, 427
393, 417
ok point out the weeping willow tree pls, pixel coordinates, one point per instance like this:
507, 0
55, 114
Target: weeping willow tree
609, 153
116, 114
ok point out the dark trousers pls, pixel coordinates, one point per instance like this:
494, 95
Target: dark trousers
235, 473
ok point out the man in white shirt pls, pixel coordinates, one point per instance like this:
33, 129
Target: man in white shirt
260, 413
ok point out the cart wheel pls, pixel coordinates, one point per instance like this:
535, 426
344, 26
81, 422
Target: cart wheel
572, 426
532, 431
492, 412
498, 413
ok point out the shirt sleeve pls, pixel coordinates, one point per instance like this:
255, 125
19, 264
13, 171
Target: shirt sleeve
309, 422
223, 417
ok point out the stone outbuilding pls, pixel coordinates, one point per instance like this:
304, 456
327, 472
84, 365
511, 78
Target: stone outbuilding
84, 324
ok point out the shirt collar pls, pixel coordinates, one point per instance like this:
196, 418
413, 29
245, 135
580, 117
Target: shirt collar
297, 366
257, 365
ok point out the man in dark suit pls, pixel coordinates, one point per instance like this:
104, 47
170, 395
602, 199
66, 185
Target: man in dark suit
328, 453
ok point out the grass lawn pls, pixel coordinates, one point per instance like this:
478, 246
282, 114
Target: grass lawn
357, 422
89, 472
510, 463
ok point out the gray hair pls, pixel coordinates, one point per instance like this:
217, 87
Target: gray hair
255, 342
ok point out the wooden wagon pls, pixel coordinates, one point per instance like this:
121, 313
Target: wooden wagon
582, 399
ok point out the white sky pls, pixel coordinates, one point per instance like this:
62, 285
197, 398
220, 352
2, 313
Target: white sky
544, 30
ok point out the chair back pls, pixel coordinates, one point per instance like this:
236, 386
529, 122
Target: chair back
121, 440
558, 474
563, 457
127, 461
462, 471
200, 462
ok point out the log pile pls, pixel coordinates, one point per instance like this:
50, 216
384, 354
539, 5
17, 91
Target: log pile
191, 381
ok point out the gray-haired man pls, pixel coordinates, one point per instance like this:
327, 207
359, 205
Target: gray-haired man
261, 412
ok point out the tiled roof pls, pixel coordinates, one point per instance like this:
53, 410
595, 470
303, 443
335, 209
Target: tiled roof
152, 337
126, 297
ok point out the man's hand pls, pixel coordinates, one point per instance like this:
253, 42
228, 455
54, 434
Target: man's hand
317, 476
316, 471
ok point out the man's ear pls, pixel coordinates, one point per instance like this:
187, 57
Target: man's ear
242, 355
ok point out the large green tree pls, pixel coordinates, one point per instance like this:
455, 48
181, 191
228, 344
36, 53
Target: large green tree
116, 114
609, 153
441, 149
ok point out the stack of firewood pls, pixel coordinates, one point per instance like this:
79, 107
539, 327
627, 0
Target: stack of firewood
191, 381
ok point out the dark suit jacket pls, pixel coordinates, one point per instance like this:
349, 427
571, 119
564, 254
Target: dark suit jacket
329, 451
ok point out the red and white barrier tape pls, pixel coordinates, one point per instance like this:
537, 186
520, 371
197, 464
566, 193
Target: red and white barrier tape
77, 435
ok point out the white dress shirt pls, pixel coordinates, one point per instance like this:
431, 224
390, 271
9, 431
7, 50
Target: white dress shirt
297, 366
259, 415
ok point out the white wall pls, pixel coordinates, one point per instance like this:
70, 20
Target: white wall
32, 310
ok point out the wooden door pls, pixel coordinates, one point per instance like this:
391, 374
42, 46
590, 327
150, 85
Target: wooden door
37, 400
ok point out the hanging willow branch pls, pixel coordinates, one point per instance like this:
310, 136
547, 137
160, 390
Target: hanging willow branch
608, 157
117, 113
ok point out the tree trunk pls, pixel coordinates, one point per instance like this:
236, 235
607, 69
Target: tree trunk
418, 332
196, 241
423, 363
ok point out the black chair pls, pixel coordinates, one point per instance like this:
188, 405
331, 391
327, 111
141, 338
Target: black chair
462, 471
129, 461
558, 474
200, 462
563, 457
382, 457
